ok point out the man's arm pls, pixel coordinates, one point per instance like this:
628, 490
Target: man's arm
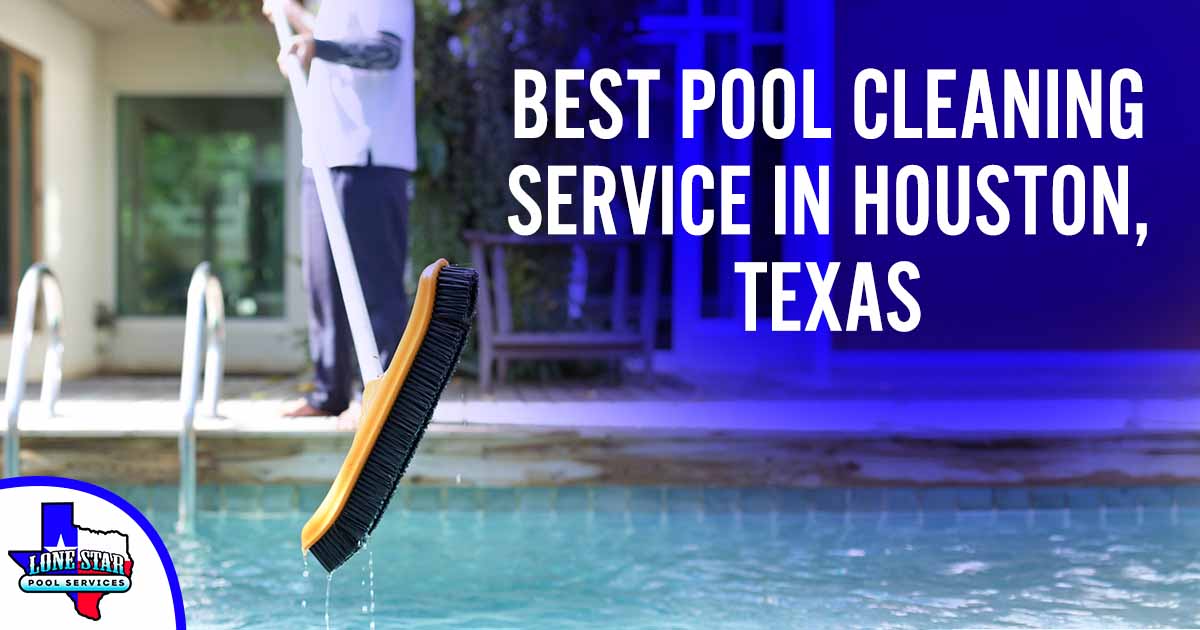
374, 53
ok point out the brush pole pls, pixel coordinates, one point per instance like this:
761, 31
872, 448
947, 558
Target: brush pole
339, 241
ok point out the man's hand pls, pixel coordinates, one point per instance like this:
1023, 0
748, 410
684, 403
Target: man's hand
294, 12
268, 7
303, 47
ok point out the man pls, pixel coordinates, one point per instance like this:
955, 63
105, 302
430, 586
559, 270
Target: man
360, 94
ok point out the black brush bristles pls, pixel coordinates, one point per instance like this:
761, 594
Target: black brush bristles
453, 310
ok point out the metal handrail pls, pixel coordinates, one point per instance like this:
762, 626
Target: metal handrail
205, 322
36, 277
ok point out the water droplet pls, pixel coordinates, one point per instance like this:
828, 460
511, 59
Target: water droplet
328, 589
371, 573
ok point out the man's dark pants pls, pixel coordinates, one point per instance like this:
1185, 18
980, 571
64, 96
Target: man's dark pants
375, 208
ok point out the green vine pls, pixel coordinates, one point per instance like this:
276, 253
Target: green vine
466, 51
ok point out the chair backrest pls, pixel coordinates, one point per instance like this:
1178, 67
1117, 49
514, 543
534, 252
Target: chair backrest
495, 304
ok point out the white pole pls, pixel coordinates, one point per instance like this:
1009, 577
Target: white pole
339, 242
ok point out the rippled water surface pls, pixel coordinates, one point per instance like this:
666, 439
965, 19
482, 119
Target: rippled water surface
705, 569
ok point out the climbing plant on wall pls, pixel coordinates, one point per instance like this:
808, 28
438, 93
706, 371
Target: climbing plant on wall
466, 51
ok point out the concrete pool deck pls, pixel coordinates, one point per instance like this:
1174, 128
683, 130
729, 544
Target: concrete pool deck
122, 429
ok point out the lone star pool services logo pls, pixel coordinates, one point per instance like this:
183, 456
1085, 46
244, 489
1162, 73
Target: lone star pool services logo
84, 563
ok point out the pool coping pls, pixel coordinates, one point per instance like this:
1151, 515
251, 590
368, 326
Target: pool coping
284, 499
874, 417
882, 442
521, 456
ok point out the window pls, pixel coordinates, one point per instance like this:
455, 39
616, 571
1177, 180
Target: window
20, 172
200, 179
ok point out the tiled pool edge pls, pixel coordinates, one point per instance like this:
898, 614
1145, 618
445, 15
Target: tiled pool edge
282, 499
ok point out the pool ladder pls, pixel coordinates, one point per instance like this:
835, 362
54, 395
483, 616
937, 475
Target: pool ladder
205, 325
37, 279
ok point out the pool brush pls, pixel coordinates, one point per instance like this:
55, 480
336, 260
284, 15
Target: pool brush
396, 409
397, 404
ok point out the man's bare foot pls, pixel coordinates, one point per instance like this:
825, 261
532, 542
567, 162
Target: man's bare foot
305, 410
350, 418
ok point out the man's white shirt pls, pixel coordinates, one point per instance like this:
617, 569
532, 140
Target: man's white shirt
356, 111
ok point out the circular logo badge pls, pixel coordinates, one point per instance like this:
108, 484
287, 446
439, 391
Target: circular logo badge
79, 556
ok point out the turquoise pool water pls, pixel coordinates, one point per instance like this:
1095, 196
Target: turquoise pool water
703, 564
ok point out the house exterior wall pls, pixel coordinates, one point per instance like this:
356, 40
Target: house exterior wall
84, 71
194, 60
72, 212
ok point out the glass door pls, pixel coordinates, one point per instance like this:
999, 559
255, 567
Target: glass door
708, 305
200, 178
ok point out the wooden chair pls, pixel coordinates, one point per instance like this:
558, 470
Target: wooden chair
499, 343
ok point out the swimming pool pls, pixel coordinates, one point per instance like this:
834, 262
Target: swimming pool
691, 558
